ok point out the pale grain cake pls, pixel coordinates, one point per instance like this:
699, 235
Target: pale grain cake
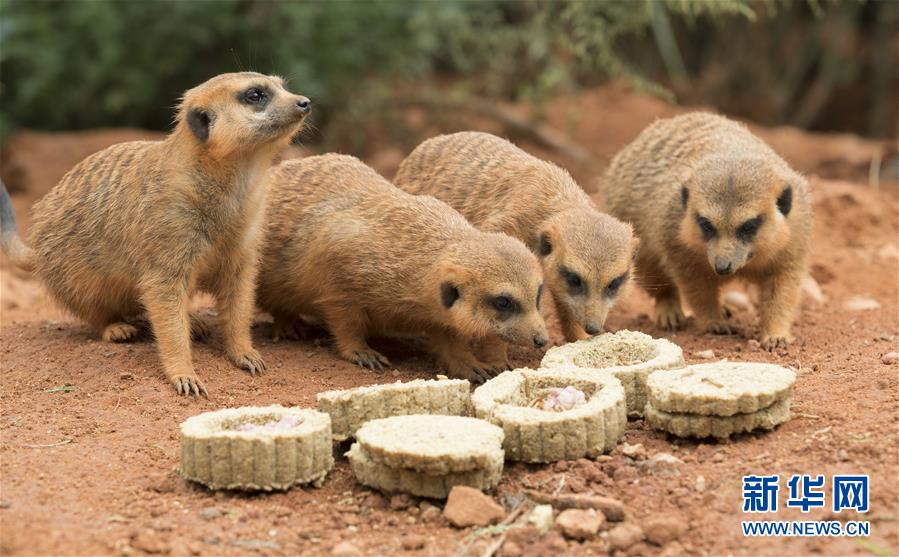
267, 455
697, 425
628, 355
720, 389
351, 408
427, 454
537, 435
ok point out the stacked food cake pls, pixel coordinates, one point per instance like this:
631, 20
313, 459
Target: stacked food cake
426, 455
719, 399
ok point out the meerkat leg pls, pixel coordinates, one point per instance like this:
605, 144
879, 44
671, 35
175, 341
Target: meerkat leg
780, 294
349, 328
494, 353
169, 317
119, 332
234, 302
657, 283
703, 294
458, 359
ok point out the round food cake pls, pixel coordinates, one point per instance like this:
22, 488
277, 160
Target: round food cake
562, 413
254, 448
719, 399
628, 355
351, 408
721, 388
426, 455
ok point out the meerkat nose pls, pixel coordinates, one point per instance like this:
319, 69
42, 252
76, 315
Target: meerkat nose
304, 104
540, 341
591, 328
724, 267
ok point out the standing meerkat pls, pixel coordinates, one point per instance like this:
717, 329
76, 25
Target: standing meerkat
345, 247
139, 226
712, 202
586, 255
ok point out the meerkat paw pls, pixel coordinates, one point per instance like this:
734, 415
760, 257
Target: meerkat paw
189, 384
119, 332
776, 342
669, 315
368, 358
294, 329
722, 328
249, 360
200, 327
474, 371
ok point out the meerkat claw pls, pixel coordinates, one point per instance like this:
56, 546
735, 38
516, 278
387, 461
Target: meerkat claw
719, 328
772, 343
190, 385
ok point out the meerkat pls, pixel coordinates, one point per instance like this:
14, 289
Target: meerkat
346, 248
711, 202
586, 254
136, 228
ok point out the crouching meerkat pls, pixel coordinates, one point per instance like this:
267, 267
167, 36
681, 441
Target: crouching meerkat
345, 247
712, 202
136, 228
586, 255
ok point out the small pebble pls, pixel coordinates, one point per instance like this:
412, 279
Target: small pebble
625, 535
636, 451
700, 483
210, 513
890, 358
542, 518
580, 524
861, 303
345, 549
413, 542
705, 354
663, 528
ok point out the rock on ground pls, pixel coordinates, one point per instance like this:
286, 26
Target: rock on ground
467, 506
861, 303
661, 529
345, 549
542, 517
625, 535
890, 358
580, 524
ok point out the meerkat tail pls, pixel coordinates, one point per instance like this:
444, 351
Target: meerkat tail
10, 242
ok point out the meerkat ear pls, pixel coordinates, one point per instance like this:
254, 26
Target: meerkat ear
785, 201
198, 121
684, 196
545, 245
449, 293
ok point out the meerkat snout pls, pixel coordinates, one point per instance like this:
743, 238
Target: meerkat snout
304, 104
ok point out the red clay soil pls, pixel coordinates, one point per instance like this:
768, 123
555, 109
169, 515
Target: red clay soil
91, 470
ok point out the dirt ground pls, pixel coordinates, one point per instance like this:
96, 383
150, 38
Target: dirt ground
91, 470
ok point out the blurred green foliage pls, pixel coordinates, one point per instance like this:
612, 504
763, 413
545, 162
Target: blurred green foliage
88, 63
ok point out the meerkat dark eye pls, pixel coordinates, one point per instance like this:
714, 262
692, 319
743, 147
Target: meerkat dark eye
748, 229
546, 247
785, 201
613, 287
505, 306
254, 95
684, 196
707, 228
574, 282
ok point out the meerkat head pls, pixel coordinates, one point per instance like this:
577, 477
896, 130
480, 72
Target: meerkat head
242, 113
737, 211
587, 258
492, 285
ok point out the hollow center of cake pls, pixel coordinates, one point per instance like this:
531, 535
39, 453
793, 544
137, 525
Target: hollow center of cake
615, 353
263, 423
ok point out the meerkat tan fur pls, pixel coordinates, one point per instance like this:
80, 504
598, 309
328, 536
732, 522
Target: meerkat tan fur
711, 202
345, 247
138, 227
586, 255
